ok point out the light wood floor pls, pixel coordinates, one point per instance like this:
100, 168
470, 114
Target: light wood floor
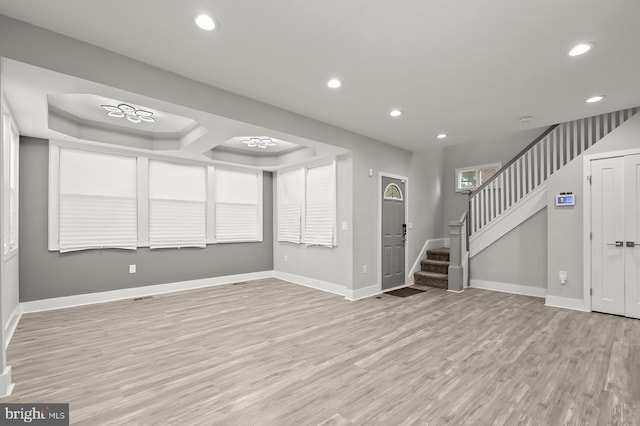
274, 353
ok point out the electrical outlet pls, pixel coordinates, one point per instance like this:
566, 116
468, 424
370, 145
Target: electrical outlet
286, 258
364, 269
345, 226
132, 269
563, 277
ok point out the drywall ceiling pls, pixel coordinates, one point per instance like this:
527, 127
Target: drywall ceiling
52, 105
468, 68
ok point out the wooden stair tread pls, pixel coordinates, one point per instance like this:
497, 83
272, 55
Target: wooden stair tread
433, 275
436, 262
441, 250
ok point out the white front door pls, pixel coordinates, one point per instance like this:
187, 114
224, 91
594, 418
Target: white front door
607, 228
632, 236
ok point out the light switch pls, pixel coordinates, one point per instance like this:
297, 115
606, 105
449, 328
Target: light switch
344, 226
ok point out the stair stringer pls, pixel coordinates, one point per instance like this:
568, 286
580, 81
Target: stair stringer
511, 218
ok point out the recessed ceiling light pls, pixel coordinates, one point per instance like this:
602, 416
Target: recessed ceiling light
334, 83
205, 22
580, 49
441, 136
395, 113
594, 99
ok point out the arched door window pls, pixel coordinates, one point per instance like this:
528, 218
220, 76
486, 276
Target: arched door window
392, 192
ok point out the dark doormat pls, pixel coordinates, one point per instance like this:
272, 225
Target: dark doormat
405, 292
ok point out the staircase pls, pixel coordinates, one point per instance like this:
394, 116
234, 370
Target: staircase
434, 270
518, 189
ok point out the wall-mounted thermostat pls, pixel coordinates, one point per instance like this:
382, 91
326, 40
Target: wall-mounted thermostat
565, 199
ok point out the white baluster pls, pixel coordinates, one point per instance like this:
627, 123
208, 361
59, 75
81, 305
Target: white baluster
503, 192
535, 167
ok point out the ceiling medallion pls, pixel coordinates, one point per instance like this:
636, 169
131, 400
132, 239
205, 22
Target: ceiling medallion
129, 112
263, 143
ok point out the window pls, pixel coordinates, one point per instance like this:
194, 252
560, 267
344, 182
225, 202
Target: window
97, 201
470, 178
320, 206
100, 200
10, 145
307, 205
290, 205
238, 207
177, 205
392, 192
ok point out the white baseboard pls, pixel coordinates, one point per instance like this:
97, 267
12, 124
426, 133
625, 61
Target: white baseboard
567, 303
6, 387
311, 282
16, 315
362, 293
130, 293
508, 288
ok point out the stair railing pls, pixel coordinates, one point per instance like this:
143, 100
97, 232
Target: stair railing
532, 166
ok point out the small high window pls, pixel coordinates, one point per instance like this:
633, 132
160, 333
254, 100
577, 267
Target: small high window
470, 178
392, 192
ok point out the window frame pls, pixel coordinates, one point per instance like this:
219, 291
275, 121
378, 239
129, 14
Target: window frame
478, 172
10, 172
211, 206
142, 191
148, 200
305, 168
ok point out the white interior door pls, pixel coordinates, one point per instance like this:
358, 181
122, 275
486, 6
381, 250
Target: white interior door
607, 227
632, 234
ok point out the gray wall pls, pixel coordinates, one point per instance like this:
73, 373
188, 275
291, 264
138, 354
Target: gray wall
36, 46
332, 265
520, 257
45, 274
426, 207
565, 225
457, 156
424, 171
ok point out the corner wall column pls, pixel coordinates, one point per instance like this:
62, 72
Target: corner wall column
456, 282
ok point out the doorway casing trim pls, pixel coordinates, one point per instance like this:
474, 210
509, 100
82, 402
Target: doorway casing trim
586, 223
406, 220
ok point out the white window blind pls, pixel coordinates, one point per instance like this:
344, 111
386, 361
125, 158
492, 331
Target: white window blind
290, 205
97, 204
10, 141
320, 208
177, 205
238, 213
